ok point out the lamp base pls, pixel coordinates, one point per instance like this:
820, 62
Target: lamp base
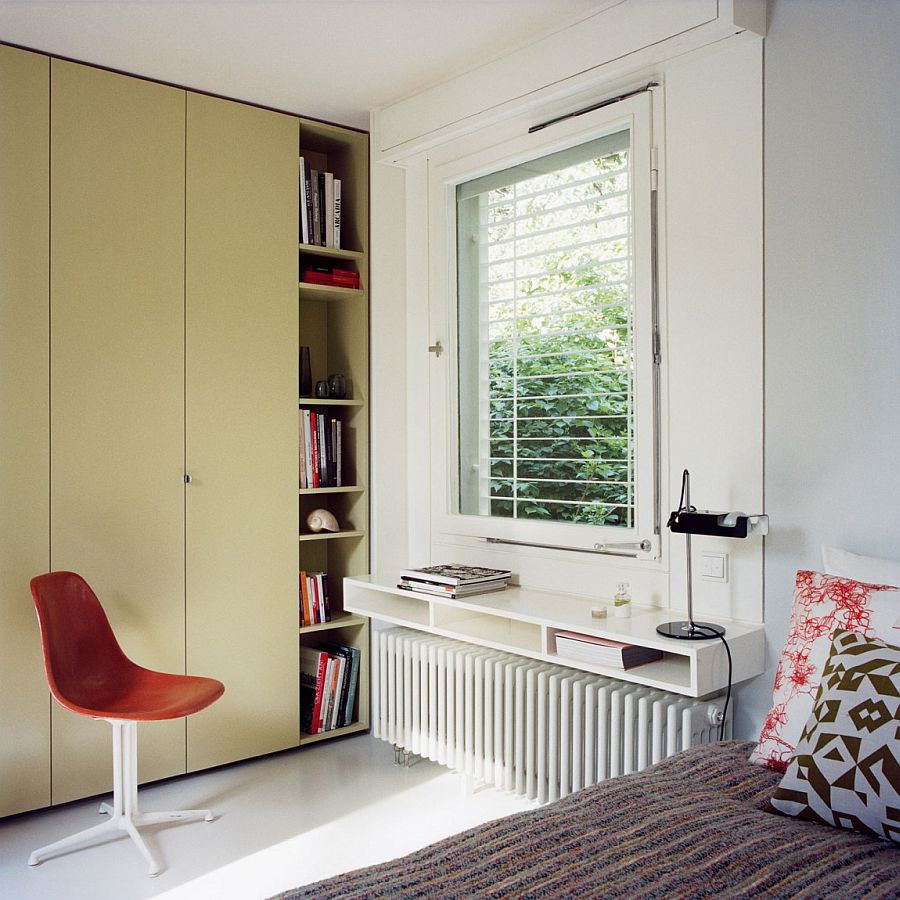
690, 631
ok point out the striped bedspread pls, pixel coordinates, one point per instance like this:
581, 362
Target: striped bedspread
694, 825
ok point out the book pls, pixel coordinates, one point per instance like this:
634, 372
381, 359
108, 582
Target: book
339, 475
322, 449
329, 452
350, 673
314, 443
315, 610
329, 209
323, 213
304, 222
338, 664
318, 605
448, 590
313, 664
307, 183
337, 213
456, 574
351, 688
322, 273
327, 691
321, 438
308, 435
326, 599
603, 651
305, 609
332, 447
315, 218
303, 482
339, 650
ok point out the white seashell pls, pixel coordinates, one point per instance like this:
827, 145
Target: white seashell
322, 520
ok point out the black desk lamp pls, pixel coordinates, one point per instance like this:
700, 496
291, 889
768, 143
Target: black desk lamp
688, 520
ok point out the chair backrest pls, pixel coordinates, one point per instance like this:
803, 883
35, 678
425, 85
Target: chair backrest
82, 658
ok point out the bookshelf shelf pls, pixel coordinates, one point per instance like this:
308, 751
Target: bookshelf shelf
328, 292
315, 401
338, 620
352, 728
349, 489
334, 325
524, 621
331, 535
331, 252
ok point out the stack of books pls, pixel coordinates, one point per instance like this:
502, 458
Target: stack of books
454, 580
315, 604
602, 651
329, 674
320, 450
320, 207
331, 275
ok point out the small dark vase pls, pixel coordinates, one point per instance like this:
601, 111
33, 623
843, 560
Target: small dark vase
305, 373
337, 386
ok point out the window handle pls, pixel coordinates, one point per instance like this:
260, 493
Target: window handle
644, 545
437, 348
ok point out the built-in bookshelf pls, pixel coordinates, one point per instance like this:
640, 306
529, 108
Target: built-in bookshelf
334, 325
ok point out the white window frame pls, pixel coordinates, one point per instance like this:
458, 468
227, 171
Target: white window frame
634, 113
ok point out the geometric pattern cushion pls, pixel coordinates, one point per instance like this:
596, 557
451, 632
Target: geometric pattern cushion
822, 603
846, 770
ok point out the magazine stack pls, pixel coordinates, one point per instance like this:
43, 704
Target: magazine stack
454, 580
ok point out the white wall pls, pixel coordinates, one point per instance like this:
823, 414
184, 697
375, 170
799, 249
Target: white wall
832, 201
711, 186
388, 335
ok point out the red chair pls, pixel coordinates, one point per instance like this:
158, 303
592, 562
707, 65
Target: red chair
89, 674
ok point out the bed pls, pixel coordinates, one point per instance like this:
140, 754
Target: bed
694, 825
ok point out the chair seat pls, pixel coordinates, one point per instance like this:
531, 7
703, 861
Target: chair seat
144, 695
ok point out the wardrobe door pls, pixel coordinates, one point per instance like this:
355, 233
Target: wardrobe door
241, 414
117, 387
24, 424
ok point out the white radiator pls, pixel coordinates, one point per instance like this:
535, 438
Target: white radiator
538, 729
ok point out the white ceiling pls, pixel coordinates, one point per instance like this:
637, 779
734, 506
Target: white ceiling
328, 59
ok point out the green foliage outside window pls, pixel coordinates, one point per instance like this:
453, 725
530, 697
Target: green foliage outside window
561, 356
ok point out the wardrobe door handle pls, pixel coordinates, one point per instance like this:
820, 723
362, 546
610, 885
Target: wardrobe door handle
188, 478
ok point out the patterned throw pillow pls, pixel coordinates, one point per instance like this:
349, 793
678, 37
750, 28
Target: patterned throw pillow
822, 603
846, 771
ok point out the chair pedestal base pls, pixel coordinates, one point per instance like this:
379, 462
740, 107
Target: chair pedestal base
124, 812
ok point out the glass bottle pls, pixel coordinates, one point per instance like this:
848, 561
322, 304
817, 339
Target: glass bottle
622, 600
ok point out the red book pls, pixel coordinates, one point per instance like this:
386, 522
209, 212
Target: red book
313, 665
316, 278
315, 448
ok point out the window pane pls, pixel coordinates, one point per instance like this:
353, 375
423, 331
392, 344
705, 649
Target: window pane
546, 344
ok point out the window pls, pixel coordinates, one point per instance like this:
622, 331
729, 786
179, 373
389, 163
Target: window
546, 351
549, 433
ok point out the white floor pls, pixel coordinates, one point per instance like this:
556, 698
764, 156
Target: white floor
283, 821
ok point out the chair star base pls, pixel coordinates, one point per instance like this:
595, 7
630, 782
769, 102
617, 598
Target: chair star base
124, 812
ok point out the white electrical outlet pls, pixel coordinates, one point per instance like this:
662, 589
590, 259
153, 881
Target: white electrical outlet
714, 566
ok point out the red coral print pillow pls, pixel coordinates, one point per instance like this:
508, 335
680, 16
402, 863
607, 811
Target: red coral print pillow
821, 604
